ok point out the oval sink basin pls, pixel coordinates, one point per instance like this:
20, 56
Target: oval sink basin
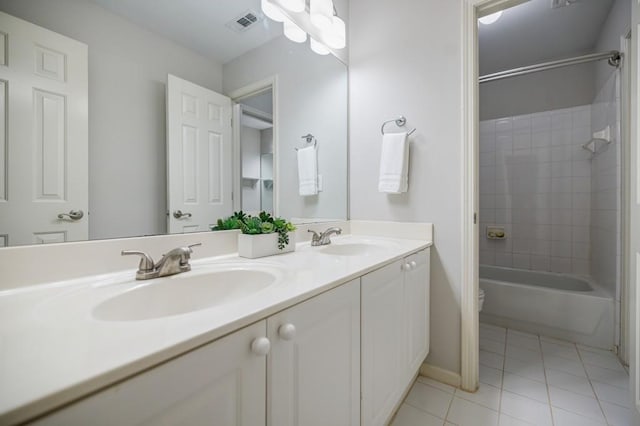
351, 249
184, 293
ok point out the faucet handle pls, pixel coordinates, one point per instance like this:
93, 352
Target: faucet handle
315, 236
187, 253
146, 262
193, 245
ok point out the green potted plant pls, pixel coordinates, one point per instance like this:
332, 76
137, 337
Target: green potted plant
262, 235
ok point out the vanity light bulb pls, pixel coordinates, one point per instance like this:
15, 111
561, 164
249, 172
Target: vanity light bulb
294, 5
318, 47
272, 11
293, 32
321, 13
336, 35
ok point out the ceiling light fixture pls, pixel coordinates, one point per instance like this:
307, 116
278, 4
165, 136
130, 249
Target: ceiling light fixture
490, 19
294, 5
272, 11
321, 12
318, 47
325, 23
294, 32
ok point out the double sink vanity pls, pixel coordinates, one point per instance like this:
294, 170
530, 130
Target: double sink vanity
326, 335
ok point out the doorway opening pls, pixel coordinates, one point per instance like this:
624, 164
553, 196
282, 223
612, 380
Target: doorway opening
256, 152
545, 175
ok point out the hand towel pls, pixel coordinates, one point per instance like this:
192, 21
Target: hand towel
394, 163
308, 171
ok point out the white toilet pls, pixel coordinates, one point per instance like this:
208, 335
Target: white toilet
480, 299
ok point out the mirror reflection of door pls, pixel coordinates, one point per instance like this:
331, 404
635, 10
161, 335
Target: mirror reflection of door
200, 156
43, 151
256, 152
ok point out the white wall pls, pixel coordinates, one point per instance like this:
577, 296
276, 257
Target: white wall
541, 91
312, 98
128, 69
535, 180
400, 64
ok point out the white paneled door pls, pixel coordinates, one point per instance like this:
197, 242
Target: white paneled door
199, 156
44, 146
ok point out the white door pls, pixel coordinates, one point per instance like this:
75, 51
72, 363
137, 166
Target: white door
313, 373
383, 343
634, 214
222, 384
416, 296
43, 148
199, 156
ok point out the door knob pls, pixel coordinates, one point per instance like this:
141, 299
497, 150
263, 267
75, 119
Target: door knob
260, 346
72, 215
287, 331
179, 215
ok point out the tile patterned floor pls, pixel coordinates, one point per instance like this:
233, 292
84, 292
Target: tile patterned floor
527, 380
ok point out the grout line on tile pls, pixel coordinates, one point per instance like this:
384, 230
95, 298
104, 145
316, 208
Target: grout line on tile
546, 382
591, 385
446, 416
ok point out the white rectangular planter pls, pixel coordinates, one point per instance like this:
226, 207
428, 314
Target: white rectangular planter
252, 246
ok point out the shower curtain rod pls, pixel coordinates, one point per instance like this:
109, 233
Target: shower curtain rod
613, 57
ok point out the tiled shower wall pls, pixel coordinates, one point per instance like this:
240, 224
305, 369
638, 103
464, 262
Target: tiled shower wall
606, 190
535, 180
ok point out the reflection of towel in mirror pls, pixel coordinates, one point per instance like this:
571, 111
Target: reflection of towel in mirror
308, 170
394, 163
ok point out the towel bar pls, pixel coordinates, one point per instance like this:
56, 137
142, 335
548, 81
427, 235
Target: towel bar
400, 122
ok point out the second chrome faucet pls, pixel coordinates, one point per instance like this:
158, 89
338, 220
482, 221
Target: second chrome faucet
324, 238
173, 262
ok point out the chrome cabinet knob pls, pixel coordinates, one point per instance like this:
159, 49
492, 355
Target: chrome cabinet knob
287, 331
413, 264
72, 215
260, 346
406, 267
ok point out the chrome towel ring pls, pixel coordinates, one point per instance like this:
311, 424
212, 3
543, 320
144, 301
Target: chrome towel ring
400, 122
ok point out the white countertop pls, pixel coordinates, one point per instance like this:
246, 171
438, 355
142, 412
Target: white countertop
52, 350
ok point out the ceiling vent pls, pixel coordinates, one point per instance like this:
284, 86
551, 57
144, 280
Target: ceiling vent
555, 4
245, 21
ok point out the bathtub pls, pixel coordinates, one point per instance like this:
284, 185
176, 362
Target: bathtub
564, 306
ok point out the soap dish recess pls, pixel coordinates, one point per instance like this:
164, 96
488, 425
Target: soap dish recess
496, 233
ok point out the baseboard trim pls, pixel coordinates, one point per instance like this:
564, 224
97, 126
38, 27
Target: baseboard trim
441, 375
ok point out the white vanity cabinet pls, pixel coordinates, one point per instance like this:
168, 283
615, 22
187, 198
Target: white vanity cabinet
395, 333
343, 357
298, 367
221, 383
313, 373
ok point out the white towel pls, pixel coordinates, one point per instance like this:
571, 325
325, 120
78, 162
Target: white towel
308, 171
394, 163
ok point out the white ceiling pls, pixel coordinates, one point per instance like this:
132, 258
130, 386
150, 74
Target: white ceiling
533, 32
199, 25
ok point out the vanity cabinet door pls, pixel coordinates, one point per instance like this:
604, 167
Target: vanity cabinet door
313, 374
416, 296
222, 383
383, 338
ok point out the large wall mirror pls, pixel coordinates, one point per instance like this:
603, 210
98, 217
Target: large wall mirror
126, 118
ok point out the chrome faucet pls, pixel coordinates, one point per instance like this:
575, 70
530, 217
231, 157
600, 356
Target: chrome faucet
324, 238
174, 262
